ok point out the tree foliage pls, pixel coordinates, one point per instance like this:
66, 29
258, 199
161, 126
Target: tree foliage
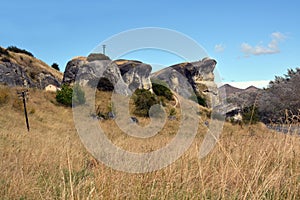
143, 100
67, 95
282, 94
17, 50
250, 114
161, 90
55, 66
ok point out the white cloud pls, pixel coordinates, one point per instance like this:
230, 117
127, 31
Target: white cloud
219, 48
271, 48
244, 84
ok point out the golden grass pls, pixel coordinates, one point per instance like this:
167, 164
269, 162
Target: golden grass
35, 65
50, 161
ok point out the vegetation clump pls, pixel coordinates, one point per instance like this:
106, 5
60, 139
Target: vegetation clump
18, 50
161, 90
55, 66
67, 95
143, 100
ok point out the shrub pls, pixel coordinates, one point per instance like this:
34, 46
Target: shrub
17, 50
143, 100
3, 51
172, 112
55, 66
64, 96
67, 94
161, 90
250, 114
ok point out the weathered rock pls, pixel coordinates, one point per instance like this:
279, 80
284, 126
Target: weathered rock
72, 69
129, 75
135, 74
91, 72
189, 79
19, 69
13, 74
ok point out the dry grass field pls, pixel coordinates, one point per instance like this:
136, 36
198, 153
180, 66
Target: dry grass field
50, 161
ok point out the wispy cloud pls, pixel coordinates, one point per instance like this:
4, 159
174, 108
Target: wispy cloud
219, 48
260, 49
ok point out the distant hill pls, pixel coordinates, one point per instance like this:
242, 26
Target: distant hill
231, 90
19, 67
251, 89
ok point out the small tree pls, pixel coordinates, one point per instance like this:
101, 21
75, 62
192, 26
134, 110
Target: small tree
68, 94
250, 114
64, 96
143, 100
161, 90
55, 66
18, 50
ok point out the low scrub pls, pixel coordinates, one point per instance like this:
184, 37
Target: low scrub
17, 50
67, 95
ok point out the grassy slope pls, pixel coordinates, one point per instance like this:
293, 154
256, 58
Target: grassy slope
32, 65
51, 163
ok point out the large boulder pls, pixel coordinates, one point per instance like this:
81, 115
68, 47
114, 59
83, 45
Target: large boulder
72, 69
135, 74
129, 75
191, 78
92, 72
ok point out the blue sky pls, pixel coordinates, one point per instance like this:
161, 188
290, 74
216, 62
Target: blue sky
251, 40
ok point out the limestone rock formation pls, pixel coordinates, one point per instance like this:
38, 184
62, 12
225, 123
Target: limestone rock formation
191, 78
135, 74
18, 69
72, 69
129, 75
92, 72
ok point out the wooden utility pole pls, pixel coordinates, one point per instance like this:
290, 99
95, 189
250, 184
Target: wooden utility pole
104, 46
23, 95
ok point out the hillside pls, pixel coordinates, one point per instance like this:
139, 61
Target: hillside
229, 89
19, 68
50, 161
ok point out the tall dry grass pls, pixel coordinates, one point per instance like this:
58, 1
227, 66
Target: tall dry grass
50, 162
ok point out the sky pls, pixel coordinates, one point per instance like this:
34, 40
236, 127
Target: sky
252, 41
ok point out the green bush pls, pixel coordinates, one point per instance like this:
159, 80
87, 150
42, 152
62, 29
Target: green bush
250, 114
67, 93
172, 112
3, 51
143, 100
55, 66
161, 90
17, 50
